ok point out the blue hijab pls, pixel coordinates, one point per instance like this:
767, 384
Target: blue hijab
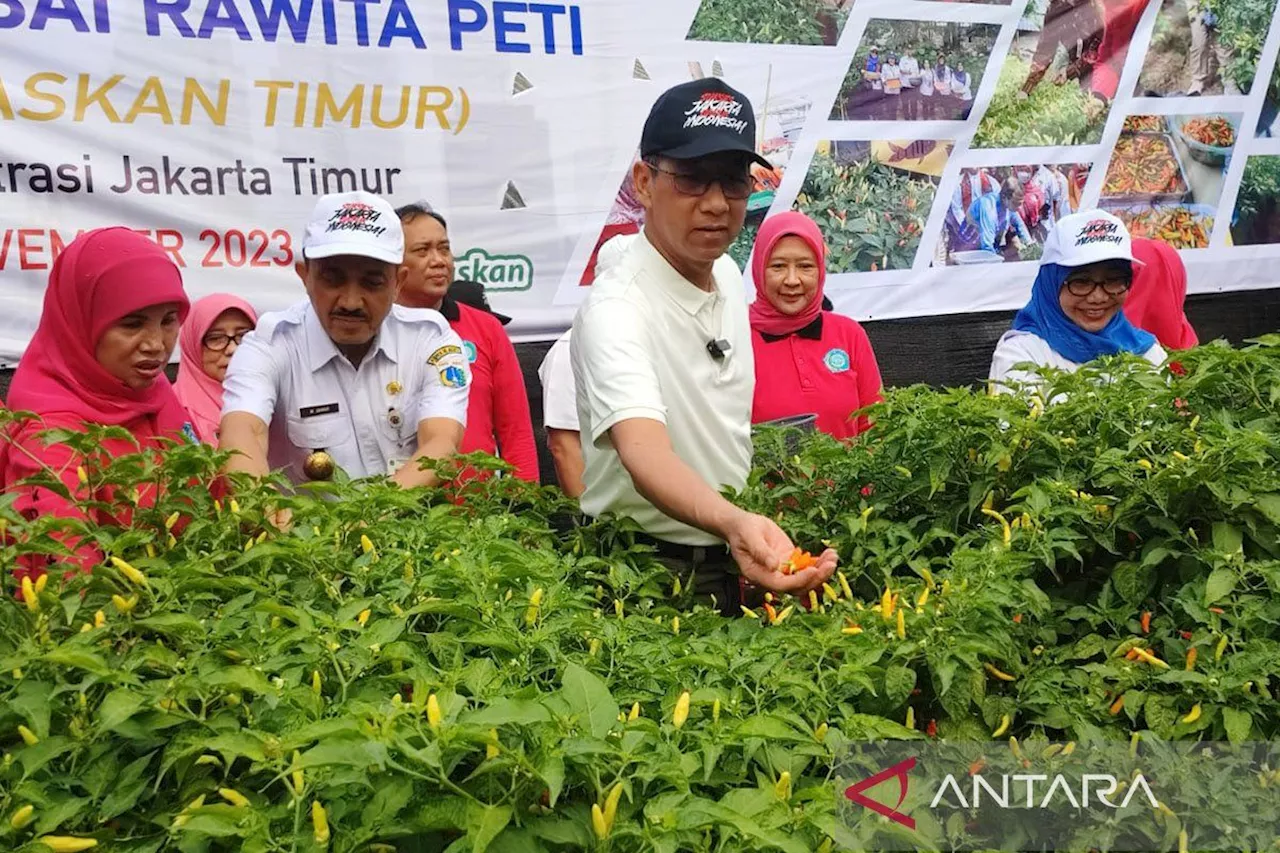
1043, 316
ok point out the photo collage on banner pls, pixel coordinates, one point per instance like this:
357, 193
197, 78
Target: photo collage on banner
959, 132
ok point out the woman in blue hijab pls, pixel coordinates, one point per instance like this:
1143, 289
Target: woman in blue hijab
1075, 315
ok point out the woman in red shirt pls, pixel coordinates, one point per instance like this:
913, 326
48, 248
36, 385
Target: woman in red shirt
808, 361
111, 317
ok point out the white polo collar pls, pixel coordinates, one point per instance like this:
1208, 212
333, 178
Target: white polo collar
683, 292
321, 349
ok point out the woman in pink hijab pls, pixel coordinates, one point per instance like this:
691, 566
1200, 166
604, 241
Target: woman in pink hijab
111, 315
209, 338
1158, 295
808, 361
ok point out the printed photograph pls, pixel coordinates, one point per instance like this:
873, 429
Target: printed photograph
811, 22
1061, 75
1256, 219
915, 71
1166, 175
1205, 47
871, 200
783, 119
1003, 214
1268, 125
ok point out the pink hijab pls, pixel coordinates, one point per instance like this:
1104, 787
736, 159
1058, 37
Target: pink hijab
764, 317
1158, 295
102, 276
197, 390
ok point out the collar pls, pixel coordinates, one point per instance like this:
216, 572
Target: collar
321, 349
683, 292
813, 332
449, 308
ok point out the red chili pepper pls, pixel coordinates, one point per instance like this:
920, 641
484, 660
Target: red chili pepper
976, 767
1217, 610
1146, 621
932, 730
1017, 618
1186, 635
868, 490
1176, 368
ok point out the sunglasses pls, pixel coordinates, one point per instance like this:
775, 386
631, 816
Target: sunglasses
696, 183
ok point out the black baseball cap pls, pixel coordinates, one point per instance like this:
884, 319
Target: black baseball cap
698, 118
472, 294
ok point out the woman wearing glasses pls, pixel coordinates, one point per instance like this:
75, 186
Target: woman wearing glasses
1075, 315
209, 338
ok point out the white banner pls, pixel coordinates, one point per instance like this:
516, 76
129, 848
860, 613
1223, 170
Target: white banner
215, 124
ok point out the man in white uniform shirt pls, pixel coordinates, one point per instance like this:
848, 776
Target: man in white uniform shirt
376, 386
662, 358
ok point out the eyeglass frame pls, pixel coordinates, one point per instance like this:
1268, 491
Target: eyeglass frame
1124, 280
747, 179
238, 337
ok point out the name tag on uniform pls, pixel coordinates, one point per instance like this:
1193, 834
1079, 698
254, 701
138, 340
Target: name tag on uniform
315, 411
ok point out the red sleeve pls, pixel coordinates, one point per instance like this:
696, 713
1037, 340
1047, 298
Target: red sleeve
1121, 21
512, 423
870, 386
27, 456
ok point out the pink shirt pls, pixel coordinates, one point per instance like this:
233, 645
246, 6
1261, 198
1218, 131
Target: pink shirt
827, 368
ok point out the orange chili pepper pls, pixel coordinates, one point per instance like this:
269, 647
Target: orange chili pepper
1146, 621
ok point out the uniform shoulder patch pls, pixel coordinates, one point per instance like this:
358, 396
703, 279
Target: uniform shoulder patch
442, 353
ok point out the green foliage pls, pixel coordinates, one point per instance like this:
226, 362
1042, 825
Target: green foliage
1257, 200
1243, 26
765, 21
872, 215
1052, 115
207, 683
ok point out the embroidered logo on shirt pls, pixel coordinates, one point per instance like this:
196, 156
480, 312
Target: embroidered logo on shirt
453, 376
836, 360
189, 433
442, 353
470, 350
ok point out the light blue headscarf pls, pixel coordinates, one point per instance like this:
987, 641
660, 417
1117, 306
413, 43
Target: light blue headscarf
1043, 316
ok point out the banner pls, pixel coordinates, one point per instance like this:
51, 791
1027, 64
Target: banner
935, 142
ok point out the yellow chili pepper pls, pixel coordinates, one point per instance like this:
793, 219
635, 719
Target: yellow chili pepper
902, 625
1015, 748
911, 717
491, 749
611, 806
1181, 457
1145, 464
299, 779
316, 682
886, 605
171, 521
681, 713
829, 593
924, 598
319, 823
1193, 714
124, 605
234, 797
366, 544
844, 585
1003, 676
904, 471
363, 618
235, 507
813, 601
617, 607
29, 595
1221, 649
67, 843
851, 630
820, 733
782, 788
1068, 442
1147, 657
634, 713
1004, 525
22, 816
715, 711
782, 617
748, 612
1003, 727
151, 550
598, 825
1051, 750
99, 619
1191, 659
1069, 748
433, 711
593, 648
82, 475
1183, 844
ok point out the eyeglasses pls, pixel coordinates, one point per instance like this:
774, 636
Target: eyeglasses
219, 341
1110, 286
736, 187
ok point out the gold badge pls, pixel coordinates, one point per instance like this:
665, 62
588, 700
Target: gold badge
394, 387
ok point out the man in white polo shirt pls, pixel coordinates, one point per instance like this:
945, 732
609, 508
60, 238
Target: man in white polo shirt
347, 375
662, 359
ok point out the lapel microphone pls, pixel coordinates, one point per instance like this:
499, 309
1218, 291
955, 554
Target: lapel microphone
718, 349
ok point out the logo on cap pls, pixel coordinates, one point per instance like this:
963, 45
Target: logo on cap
716, 109
1099, 231
356, 216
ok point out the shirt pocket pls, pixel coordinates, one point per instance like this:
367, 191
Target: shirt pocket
331, 434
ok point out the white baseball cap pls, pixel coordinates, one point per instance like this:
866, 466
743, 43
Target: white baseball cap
355, 223
1088, 237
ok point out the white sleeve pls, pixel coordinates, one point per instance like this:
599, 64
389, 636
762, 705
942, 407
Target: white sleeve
559, 397
252, 383
1156, 355
613, 369
446, 382
1011, 351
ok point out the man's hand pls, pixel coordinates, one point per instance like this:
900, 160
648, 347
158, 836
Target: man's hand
759, 547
